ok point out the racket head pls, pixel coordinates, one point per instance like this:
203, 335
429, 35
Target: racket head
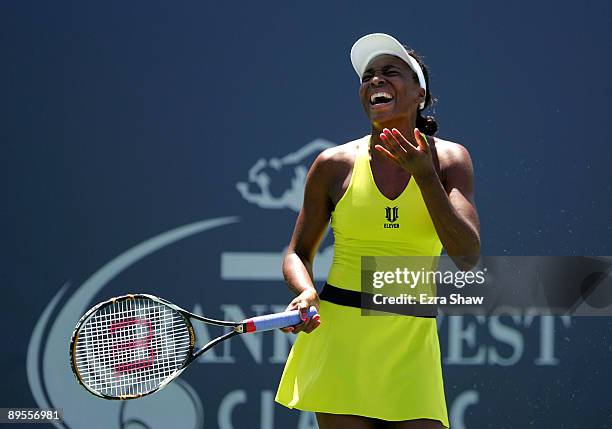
130, 346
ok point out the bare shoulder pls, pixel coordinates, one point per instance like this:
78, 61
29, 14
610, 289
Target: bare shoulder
331, 170
452, 154
455, 166
334, 162
338, 155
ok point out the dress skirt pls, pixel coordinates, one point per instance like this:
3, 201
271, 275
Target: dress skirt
386, 367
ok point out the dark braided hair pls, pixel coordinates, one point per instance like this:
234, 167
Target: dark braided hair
427, 124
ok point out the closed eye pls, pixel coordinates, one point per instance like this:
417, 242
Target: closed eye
387, 71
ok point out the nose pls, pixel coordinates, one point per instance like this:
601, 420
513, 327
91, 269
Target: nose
376, 81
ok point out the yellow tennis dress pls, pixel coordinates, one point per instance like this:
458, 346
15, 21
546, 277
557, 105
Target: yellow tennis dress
386, 367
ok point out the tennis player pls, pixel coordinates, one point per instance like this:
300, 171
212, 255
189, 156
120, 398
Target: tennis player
355, 371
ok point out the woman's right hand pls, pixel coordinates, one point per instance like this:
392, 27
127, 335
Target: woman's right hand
302, 302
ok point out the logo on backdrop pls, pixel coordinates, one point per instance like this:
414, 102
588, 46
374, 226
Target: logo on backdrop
276, 183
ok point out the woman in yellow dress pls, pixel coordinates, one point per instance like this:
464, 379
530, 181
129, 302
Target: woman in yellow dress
355, 371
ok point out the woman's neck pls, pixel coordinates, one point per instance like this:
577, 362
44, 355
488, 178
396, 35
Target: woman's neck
406, 130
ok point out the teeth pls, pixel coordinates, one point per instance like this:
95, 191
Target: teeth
380, 94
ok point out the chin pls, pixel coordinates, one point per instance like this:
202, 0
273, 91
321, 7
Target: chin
384, 121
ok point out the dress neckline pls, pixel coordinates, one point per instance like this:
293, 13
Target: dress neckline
367, 160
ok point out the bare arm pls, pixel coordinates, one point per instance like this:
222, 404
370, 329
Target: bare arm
309, 230
452, 209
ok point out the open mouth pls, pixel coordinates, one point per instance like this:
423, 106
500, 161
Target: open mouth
379, 98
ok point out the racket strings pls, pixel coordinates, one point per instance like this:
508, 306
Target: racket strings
130, 346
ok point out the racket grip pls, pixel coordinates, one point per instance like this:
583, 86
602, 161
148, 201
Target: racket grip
277, 320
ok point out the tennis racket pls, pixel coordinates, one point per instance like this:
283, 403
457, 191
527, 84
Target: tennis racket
134, 345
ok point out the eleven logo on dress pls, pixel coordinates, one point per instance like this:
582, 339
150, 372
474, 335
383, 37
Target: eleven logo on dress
392, 215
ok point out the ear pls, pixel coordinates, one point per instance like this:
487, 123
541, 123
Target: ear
421, 94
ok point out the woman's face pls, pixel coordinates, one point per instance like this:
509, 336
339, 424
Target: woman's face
388, 90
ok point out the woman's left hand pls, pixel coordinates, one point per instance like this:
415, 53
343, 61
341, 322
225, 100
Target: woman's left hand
416, 160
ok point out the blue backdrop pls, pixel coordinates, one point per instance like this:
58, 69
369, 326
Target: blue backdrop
161, 147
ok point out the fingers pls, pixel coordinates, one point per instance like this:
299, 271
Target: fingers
391, 144
385, 152
312, 324
421, 140
397, 144
302, 303
296, 304
406, 144
307, 326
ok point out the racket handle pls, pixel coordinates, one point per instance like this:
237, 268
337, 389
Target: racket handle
276, 320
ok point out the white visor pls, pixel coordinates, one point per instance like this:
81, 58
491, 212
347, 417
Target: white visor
373, 45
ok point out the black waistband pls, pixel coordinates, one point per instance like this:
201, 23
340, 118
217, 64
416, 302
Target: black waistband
366, 301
